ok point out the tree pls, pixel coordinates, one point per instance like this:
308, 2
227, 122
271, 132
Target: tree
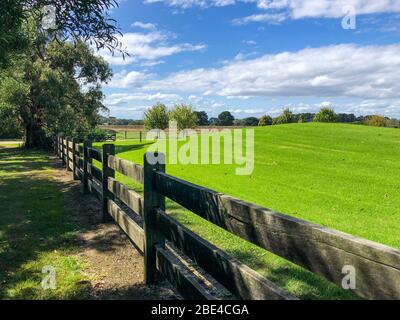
202, 118
44, 89
75, 20
265, 121
156, 117
325, 115
286, 117
225, 119
184, 116
250, 122
213, 122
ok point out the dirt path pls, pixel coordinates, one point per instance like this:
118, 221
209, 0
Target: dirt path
115, 266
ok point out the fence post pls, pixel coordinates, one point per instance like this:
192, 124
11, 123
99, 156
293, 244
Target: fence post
75, 142
59, 147
140, 134
67, 159
86, 144
108, 149
126, 135
63, 150
152, 201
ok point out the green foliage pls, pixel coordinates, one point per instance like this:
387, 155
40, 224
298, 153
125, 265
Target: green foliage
76, 21
42, 89
225, 119
377, 121
96, 134
286, 117
265, 121
202, 118
156, 117
184, 116
247, 122
325, 115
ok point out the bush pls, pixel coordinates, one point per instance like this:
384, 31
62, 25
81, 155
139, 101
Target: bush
97, 134
286, 117
325, 115
156, 117
377, 121
265, 121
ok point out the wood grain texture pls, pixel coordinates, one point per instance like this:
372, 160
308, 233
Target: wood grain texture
231, 273
131, 198
180, 276
127, 168
127, 224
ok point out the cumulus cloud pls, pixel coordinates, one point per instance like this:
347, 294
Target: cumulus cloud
333, 71
149, 46
272, 18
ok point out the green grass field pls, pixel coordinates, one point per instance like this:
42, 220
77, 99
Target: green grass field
35, 230
345, 177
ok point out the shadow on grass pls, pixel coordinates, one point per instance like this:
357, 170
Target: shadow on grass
37, 229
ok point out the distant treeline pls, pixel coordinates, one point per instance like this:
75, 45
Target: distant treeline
227, 119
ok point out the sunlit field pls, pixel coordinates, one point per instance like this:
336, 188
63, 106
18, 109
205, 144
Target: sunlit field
345, 177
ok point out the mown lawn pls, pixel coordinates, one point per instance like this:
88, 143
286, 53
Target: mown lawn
35, 230
345, 177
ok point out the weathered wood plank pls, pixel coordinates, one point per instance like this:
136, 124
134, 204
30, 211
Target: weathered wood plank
95, 172
319, 249
127, 224
95, 188
234, 275
131, 198
95, 154
127, 168
180, 276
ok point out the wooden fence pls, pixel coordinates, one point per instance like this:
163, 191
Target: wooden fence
166, 243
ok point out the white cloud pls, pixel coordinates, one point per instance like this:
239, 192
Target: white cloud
280, 10
149, 46
144, 25
125, 79
271, 18
369, 72
121, 99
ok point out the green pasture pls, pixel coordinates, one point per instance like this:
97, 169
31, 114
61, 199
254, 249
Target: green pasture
345, 177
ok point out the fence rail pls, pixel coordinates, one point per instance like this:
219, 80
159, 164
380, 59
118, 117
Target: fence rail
159, 236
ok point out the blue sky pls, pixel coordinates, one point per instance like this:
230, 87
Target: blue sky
255, 57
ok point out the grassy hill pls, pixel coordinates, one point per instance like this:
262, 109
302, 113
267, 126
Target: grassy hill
345, 177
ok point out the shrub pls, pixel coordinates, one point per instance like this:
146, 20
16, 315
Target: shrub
325, 115
265, 121
377, 121
97, 134
156, 117
286, 117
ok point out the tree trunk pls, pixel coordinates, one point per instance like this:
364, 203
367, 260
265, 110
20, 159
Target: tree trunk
33, 138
